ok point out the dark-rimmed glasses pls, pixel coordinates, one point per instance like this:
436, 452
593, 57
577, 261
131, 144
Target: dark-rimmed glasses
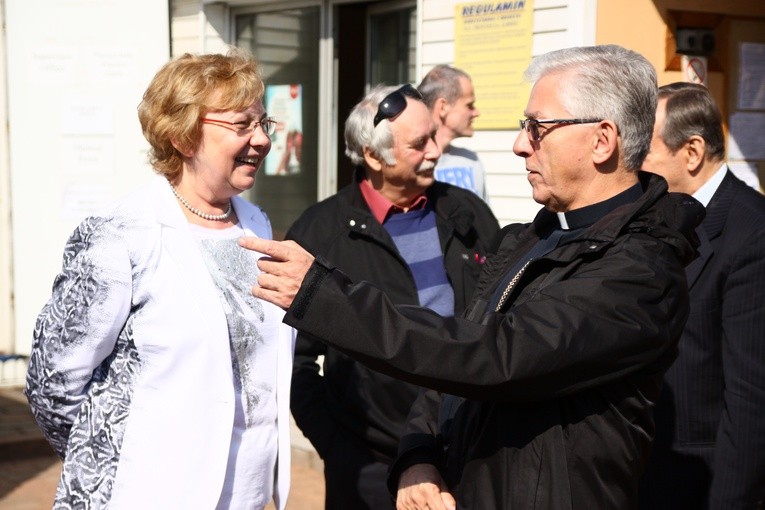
394, 103
244, 128
531, 126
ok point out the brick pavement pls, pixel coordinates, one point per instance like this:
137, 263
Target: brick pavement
29, 469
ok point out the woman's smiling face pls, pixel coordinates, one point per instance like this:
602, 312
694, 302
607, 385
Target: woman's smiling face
229, 155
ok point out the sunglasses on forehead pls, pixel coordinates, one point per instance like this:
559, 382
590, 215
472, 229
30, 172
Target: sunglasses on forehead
394, 103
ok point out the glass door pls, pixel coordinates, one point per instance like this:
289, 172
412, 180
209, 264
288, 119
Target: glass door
286, 45
392, 43
380, 50
369, 43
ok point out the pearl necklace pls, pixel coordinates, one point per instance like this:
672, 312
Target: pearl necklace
211, 217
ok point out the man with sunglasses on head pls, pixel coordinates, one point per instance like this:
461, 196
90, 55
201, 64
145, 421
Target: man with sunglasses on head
423, 243
557, 361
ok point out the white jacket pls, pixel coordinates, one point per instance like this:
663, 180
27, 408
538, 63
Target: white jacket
130, 376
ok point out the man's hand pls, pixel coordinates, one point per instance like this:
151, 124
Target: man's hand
421, 487
281, 272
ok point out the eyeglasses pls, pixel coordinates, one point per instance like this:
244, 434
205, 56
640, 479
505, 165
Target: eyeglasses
531, 126
268, 125
394, 103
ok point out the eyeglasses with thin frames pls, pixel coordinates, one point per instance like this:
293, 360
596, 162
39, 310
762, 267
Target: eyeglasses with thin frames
243, 128
394, 103
531, 126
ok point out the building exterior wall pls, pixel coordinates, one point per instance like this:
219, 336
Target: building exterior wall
72, 141
6, 260
640, 25
186, 19
199, 26
649, 30
557, 24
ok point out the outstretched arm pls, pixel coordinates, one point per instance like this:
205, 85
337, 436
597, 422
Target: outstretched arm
532, 351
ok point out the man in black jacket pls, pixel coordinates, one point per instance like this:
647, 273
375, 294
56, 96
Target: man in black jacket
557, 361
420, 241
709, 450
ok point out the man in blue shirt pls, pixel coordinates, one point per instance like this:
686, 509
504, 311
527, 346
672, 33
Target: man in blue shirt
424, 243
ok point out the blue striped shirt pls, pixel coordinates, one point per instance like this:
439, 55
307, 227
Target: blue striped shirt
416, 237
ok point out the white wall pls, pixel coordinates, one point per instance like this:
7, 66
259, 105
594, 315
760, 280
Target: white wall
76, 72
6, 296
186, 26
557, 24
200, 27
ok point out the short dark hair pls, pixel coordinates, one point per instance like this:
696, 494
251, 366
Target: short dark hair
691, 111
442, 81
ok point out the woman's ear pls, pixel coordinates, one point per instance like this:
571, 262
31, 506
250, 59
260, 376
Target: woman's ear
184, 152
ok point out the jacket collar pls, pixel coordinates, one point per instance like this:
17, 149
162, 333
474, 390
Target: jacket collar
180, 244
166, 210
169, 214
439, 196
712, 226
717, 210
669, 216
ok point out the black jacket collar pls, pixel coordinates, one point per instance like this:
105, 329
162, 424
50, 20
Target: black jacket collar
440, 198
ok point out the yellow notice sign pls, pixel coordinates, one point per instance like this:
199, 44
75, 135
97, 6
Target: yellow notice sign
492, 43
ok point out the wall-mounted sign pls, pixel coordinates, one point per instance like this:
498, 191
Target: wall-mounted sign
492, 43
751, 88
694, 69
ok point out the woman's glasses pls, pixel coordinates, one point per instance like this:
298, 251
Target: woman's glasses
244, 128
394, 103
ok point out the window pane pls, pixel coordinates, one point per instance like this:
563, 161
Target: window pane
393, 38
285, 44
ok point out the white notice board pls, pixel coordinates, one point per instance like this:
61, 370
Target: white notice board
76, 72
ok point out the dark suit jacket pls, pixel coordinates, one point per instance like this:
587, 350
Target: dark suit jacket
709, 450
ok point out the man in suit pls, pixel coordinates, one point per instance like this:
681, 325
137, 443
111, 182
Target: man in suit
709, 450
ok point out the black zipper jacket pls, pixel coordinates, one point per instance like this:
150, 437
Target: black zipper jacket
557, 387
349, 402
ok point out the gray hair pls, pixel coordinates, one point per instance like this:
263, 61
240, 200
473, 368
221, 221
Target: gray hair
442, 81
607, 82
360, 131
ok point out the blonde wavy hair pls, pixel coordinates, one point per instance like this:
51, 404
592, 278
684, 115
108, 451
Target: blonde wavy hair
183, 91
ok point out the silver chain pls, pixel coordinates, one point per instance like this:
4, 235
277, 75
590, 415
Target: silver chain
511, 285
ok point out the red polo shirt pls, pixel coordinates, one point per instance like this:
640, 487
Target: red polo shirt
381, 207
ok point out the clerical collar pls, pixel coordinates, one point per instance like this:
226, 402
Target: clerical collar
588, 215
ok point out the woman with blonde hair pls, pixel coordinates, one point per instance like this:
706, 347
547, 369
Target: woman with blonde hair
155, 375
